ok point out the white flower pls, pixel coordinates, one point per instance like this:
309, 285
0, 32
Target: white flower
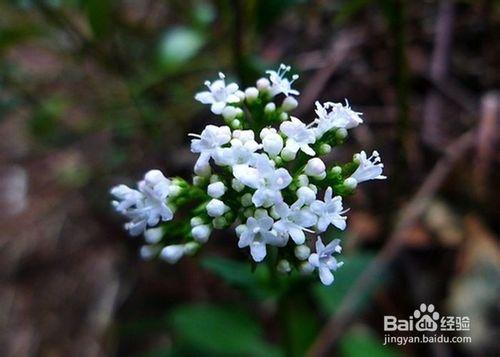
240, 152
280, 84
216, 189
299, 136
329, 211
216, 208
256, 233
294, 221
146, 206
219, 94
335, 116
201, 232
370, 168
315, 167
172, 253
324, 261
265, 179
207, 144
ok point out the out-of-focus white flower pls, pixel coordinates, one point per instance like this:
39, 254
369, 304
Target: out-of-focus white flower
219, 94
370, 168
315, 167
329, 211
294, 221
146, 206
256, 233
207, 144
265, 179
216, 208
335, 116
299, 136
280, 84
323, 260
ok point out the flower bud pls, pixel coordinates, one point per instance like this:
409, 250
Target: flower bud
284, 266
350, 183
153, 176
273, 213
237, 185
216, 208
240, 229
235, 124
201, 233
153, 235
260, 212
336, 170
216, 189
172, 253
302, 252
270, 107
240, 95
219, 223
263, 84
174, 190
316, 168
147, 252
273, 143
198, 181
248, 212
306, 194
341, 133
214, 178
324, 149
202, 169
251, 93
246, 200
289, 104
306, 268
229, 113
287, 154
266, 131
191, 248
196, 221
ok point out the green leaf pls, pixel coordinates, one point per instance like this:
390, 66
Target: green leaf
360, 342
177, 46
240, 275
330, 297
220, 331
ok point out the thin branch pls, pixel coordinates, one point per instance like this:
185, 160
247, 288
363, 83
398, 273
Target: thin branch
408, 217
432, 132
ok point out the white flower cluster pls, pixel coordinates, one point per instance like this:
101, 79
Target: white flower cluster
262, 173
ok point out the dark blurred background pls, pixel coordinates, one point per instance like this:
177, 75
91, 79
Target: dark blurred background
96, 92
